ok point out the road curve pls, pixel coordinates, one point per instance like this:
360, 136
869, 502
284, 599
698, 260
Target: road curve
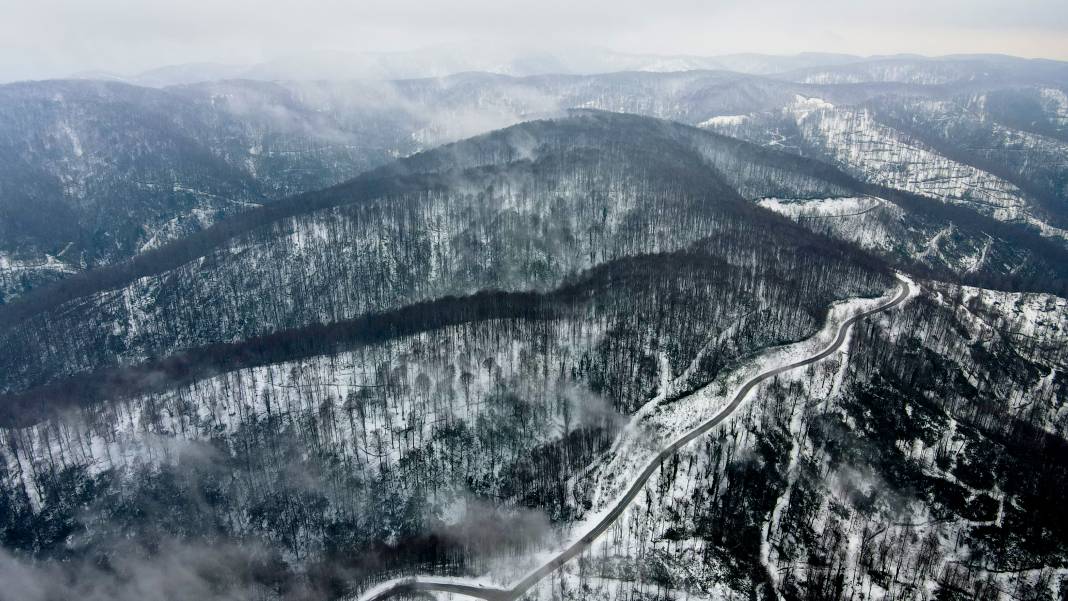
412, 585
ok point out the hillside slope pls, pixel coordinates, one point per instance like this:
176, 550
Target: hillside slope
98, 172
519, 209
366, 380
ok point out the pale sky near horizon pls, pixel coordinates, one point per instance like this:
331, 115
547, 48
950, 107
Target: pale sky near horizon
54, 38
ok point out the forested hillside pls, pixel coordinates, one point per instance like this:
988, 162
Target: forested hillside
415, 421
96, 172
518, 210
352, 369
928, 462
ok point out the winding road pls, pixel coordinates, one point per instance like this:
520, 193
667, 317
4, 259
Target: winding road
421, 584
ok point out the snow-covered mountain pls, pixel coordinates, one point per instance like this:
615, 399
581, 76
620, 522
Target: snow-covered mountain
480, 317
213, 149
693, 334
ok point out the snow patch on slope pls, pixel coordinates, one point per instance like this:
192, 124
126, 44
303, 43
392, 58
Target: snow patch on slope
723, 120
1057, 102
858, 219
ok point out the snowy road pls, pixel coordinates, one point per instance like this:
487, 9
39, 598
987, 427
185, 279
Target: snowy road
466, 587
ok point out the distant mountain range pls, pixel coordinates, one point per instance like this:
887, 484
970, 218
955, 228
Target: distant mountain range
95, 172
812, 67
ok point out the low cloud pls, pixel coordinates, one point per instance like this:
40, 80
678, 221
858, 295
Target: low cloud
485, 529
174, 571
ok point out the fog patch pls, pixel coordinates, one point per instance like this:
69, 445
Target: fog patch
485, 529
585, 408
200, 572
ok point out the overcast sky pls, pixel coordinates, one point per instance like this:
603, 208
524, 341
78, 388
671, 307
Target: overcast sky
51, 38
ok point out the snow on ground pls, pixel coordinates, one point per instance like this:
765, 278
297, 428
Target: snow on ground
1057, 104
658, 528
15, 272
388, 584
804, 105
151, 430
882, 155
908, 73
11, 265
822, 207
659, 423
1038, 321
856, 141
1033, 325
723, 120
877, 224
863, 220
207, 211
642, 535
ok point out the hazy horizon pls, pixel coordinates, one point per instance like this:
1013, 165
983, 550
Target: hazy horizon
58, 38
335, 53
